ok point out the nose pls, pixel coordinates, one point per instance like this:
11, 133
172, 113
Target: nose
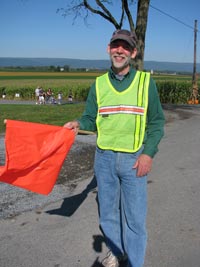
120, 49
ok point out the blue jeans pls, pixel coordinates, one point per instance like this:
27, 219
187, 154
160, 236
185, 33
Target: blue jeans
122, 204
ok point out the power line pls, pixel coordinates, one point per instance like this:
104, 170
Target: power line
166, 14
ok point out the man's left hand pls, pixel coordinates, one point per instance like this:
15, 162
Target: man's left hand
143, 165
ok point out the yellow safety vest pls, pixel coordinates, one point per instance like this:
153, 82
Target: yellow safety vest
121, 118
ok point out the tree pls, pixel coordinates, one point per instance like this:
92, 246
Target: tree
83, 8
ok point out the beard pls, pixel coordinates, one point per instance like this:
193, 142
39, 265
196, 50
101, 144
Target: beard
120, 62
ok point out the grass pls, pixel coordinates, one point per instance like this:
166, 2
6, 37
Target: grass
48, 75
44, 77
174, 78
47, 114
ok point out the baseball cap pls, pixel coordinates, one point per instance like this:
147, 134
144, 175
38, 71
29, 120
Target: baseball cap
128, 36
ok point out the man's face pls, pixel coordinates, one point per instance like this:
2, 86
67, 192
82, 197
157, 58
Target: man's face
121, 54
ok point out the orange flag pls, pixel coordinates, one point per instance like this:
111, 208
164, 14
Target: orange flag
34, 154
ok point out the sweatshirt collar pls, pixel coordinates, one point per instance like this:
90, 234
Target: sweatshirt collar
115, 76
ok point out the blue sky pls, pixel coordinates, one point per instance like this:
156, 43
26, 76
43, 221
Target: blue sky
32, 28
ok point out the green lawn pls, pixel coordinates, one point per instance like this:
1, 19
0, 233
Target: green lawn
47, 114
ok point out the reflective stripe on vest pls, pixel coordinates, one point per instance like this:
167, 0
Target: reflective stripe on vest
121, 109
121, 118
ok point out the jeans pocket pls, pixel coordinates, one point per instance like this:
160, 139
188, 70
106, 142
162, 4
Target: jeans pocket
99, 150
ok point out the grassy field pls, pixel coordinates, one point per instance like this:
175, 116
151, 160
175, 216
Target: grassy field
45, 83
62, 81
48, 75
174, 78
5, 75
65, 80
26, 82
47, 114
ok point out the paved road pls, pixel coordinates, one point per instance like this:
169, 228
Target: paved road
19, 102
65, 233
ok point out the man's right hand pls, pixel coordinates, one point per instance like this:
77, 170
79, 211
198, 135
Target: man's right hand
74, 125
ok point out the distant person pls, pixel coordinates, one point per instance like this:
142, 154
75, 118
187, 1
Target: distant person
37, 93
60, 98
123, 106
49, 95
41, 96
4, 94
70, 97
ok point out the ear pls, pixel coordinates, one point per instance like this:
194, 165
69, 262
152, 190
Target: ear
108, 49
134, 53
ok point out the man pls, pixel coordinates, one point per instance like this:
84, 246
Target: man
37, 93
123, 106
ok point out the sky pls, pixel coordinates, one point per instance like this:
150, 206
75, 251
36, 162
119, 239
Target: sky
34, 28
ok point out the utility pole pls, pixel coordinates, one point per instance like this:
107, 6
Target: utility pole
194, 77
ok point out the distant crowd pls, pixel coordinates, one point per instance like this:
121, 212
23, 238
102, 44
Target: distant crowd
48, 97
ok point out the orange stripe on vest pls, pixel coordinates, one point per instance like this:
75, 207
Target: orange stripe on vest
121, 109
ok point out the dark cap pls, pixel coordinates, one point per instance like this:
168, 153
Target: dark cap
128, 36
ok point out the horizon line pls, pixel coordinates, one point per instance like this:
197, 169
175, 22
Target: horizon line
149, 60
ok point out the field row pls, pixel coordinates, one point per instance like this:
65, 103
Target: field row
47, 75
77, 75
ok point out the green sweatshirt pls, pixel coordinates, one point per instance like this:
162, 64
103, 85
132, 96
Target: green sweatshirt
155, 116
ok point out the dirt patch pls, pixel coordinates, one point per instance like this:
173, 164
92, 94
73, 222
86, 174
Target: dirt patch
78, 164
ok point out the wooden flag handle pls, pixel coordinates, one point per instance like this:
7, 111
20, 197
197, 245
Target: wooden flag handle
86, 132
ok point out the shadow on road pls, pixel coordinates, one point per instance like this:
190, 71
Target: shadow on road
71, 204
